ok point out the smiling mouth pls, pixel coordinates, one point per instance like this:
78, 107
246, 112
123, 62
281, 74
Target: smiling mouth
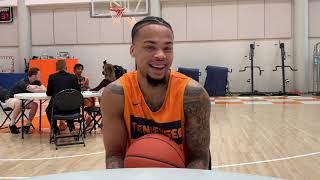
157, 66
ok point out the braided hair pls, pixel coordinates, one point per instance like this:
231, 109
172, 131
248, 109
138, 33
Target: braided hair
147, 21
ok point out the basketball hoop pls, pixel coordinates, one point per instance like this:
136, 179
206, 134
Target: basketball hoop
116, 13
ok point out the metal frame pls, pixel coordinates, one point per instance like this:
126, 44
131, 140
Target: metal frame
132, 14
316, 68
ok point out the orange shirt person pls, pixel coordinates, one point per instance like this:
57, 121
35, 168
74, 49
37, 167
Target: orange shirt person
82, 80
155, 99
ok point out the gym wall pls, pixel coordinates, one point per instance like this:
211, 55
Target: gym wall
208, 32
9, 36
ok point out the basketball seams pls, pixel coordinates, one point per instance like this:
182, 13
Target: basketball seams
167, 143
157, 160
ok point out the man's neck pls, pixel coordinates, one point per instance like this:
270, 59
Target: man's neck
154, 96
146, 86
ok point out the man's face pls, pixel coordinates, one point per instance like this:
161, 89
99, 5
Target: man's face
38, 76
78, 71
35, 77
153, 51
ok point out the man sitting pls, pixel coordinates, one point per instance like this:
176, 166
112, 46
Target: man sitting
57, 82
30, 84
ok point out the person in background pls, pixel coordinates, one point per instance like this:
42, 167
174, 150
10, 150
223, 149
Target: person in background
57, 82
109, 77
82, 80
29, 84
84, 86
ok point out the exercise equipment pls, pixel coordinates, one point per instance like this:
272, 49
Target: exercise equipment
316, 69
283, 66
252, 67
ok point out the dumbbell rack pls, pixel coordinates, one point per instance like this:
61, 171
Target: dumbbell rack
284, 80
251, 58
316, 69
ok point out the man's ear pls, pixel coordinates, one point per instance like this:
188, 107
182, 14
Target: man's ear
132, 50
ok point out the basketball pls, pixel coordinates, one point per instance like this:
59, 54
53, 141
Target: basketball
154, 150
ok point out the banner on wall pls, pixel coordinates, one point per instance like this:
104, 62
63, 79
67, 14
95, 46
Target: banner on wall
7, 64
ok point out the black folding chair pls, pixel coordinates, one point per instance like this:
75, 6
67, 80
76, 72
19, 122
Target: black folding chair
6, 110
95, 113
66, 106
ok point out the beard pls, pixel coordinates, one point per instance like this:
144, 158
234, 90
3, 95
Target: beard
156, 82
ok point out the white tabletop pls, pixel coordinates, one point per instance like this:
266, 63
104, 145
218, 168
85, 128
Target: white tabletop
153, 174
43, 96
34, 96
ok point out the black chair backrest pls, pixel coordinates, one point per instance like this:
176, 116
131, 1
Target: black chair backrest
3, 93
68, 100
119, 71
193, 73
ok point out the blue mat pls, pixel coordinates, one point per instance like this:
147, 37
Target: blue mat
190, 72
8, 80
216, 80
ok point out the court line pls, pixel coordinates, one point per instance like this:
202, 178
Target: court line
51, 158
215, 167
219, 166
15, 177
266, 161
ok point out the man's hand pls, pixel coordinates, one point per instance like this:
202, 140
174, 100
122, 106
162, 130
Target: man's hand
31, 88
36, 88
113, 162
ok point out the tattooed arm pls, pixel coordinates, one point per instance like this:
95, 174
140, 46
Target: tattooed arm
114, 129
197, 113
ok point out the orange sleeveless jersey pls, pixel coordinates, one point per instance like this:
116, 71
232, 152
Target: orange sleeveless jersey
168, 120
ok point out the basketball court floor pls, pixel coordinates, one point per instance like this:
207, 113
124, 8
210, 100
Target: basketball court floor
270, 136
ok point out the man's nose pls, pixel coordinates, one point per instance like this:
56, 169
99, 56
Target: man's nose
160, 55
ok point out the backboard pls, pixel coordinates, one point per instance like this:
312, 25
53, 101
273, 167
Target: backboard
101, 8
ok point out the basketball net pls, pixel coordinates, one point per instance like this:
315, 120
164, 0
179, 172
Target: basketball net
116, 13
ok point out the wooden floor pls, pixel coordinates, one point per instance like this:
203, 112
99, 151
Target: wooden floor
269, 140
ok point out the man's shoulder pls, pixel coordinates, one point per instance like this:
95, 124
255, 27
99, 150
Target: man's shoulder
194, 90
61, 74
54, 74
22, 82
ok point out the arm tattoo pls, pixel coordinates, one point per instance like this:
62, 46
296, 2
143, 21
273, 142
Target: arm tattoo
113, 162
197, 108
116, 89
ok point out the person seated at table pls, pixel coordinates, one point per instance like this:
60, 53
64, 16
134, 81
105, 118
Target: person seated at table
30, 84
57, 82
109, 77
84, 86
82, 80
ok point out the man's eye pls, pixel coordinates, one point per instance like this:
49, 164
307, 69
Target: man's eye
168, 49
150, 47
